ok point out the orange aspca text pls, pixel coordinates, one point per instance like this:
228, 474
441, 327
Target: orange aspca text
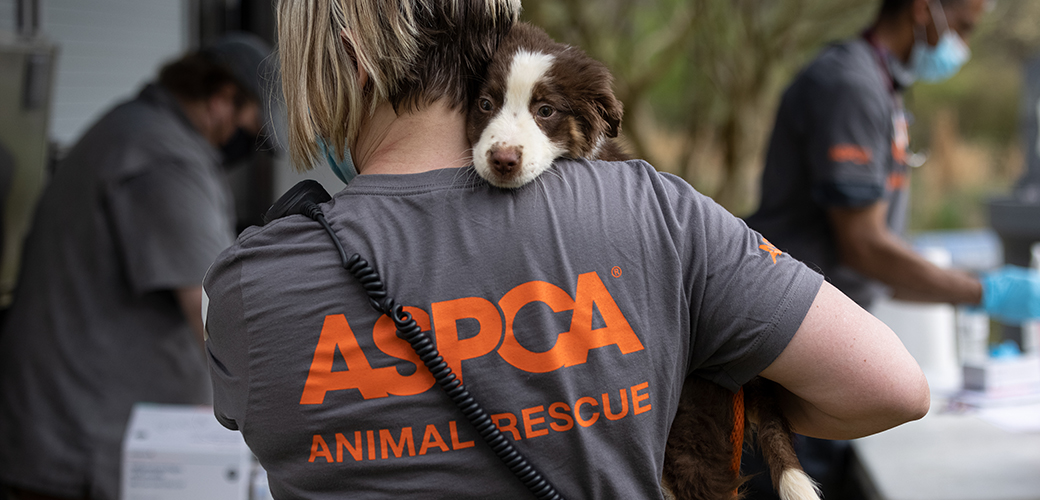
771, 248
385, 444
571, 347
533, 422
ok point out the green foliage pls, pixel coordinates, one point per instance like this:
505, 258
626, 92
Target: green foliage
958, 208
984, 100
986, 95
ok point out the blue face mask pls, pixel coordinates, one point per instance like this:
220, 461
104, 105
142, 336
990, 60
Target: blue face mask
343, 167
935, 64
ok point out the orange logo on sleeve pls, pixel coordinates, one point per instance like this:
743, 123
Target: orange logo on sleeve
849, 153
771, 248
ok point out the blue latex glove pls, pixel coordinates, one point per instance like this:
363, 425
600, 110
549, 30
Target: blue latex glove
1011, 294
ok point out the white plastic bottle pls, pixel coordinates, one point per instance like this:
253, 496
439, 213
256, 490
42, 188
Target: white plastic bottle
1031, 329
972, 336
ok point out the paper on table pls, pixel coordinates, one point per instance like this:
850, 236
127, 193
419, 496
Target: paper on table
1016, 418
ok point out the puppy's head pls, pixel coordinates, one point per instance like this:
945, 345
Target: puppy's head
541, 100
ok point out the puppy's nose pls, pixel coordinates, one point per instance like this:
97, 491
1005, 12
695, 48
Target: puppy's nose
505, 160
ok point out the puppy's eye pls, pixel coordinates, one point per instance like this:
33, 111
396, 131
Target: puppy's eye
485, 104
546, 111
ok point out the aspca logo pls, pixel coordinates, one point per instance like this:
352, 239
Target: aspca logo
770, 248
496, 336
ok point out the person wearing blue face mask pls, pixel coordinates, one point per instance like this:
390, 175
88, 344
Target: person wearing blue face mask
835, 185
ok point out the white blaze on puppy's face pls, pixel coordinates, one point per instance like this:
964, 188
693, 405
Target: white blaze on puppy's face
514, 129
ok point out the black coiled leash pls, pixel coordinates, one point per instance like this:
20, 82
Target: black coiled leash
303, 199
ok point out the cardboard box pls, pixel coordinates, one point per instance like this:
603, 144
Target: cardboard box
177, 452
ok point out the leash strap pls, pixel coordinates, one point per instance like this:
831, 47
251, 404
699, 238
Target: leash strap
737, 436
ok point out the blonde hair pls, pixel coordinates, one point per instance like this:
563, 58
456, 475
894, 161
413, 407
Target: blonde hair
414, 52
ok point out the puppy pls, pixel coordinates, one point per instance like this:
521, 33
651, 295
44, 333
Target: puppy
543, 100
702, 456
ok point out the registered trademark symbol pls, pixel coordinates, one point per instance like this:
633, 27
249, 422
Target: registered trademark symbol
615, 272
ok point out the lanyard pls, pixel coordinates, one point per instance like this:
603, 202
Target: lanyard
879, 58
901, 137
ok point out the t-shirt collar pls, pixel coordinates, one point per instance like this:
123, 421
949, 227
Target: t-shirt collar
902, 76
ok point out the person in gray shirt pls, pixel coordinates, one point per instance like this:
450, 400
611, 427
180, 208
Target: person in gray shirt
835, 187
836, 182
107, 310
572, 308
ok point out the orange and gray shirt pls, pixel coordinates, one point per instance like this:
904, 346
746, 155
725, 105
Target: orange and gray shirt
839, 140
572, 308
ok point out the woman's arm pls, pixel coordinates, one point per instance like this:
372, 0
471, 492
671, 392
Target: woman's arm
846, 374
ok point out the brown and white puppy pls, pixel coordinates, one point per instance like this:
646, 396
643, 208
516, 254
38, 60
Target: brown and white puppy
702, 456
541, 100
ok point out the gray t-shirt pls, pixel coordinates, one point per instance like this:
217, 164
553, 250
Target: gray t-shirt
572, 308
839, 141
137, 209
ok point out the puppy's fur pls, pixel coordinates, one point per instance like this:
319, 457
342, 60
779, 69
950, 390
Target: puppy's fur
543, 100
700, 454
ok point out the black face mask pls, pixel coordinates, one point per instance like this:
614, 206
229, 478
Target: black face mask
239, 147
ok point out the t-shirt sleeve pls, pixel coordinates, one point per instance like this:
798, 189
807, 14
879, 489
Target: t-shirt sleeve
227, 346
747, 299
170, 223
848, 143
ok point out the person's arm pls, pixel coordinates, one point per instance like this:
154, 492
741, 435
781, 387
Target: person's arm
190, 300
867, 245
845, 374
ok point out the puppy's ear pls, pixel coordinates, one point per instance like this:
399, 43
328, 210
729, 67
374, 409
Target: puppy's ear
611, 110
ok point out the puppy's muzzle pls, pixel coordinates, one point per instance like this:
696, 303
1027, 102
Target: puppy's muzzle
506, 161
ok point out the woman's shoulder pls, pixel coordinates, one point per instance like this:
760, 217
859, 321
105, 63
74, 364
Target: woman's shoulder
625, 177
277, 244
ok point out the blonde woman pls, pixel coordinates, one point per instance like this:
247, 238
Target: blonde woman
572, 309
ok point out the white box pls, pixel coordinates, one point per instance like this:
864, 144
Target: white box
261, 490
1018, 376
177, 452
